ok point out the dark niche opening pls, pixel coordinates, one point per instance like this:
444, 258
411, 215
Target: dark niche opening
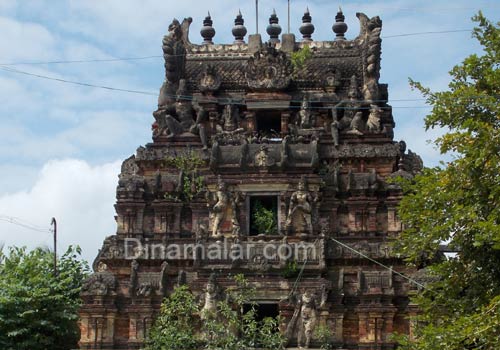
269, 123
263, 215
186, 222
263, 310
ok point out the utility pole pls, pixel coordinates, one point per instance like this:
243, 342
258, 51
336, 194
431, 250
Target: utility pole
288, 16
54, 230
257, 16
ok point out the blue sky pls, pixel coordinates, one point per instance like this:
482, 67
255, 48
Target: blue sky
61, 145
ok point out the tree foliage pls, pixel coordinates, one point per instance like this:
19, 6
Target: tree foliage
234, 327
188, 164
459, 203
300, 57
175, 327
264, 219
39, 310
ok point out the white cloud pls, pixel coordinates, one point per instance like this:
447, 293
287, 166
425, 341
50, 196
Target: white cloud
25, 41
78, 195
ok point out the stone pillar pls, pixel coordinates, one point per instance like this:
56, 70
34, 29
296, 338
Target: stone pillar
160, 223
412, 314
175, 225
100, 328
372, 218
84, 329
199, 213
388, 325
139, 220
364, 328
333, 220
132, 329
110, 328
339, 328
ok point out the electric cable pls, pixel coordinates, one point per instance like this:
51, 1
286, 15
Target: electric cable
380, 264
117, 59
23, 223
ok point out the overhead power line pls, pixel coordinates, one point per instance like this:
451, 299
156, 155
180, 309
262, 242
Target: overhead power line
222, 100
23, 223
117, 59
427, 33
409, 279
90, 60
76, 82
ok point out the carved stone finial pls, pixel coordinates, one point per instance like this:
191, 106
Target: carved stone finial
239, 30
273, 29
307, 28
207, 31
339, 27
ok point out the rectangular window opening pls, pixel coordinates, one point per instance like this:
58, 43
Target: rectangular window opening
269, 124
263, 310
263, 215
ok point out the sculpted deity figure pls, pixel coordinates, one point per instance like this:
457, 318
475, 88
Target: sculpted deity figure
352, 121
299, 218
305, 316
305, 115
198, 127
184, 111
373, 123
220, 207
210, 298
262, 158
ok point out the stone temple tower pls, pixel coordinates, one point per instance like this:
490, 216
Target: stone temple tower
270, 158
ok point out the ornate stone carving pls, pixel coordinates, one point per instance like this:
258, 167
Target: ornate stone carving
210, 80
111, 249
221, 202
305, 119
333, 79
362, 183
134, 278
376, 250
352, 120
218, 211
258, 262
183, 120
268, 69
211, 296
145, 289
413, 162
130, 183
376, 282
373, 122
237, 199
305, 317
100, 283
299, 218
199, 127
230, 119
174, 53
263, 159
370, 32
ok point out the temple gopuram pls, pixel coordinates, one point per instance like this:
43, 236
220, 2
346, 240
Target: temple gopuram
271, 158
